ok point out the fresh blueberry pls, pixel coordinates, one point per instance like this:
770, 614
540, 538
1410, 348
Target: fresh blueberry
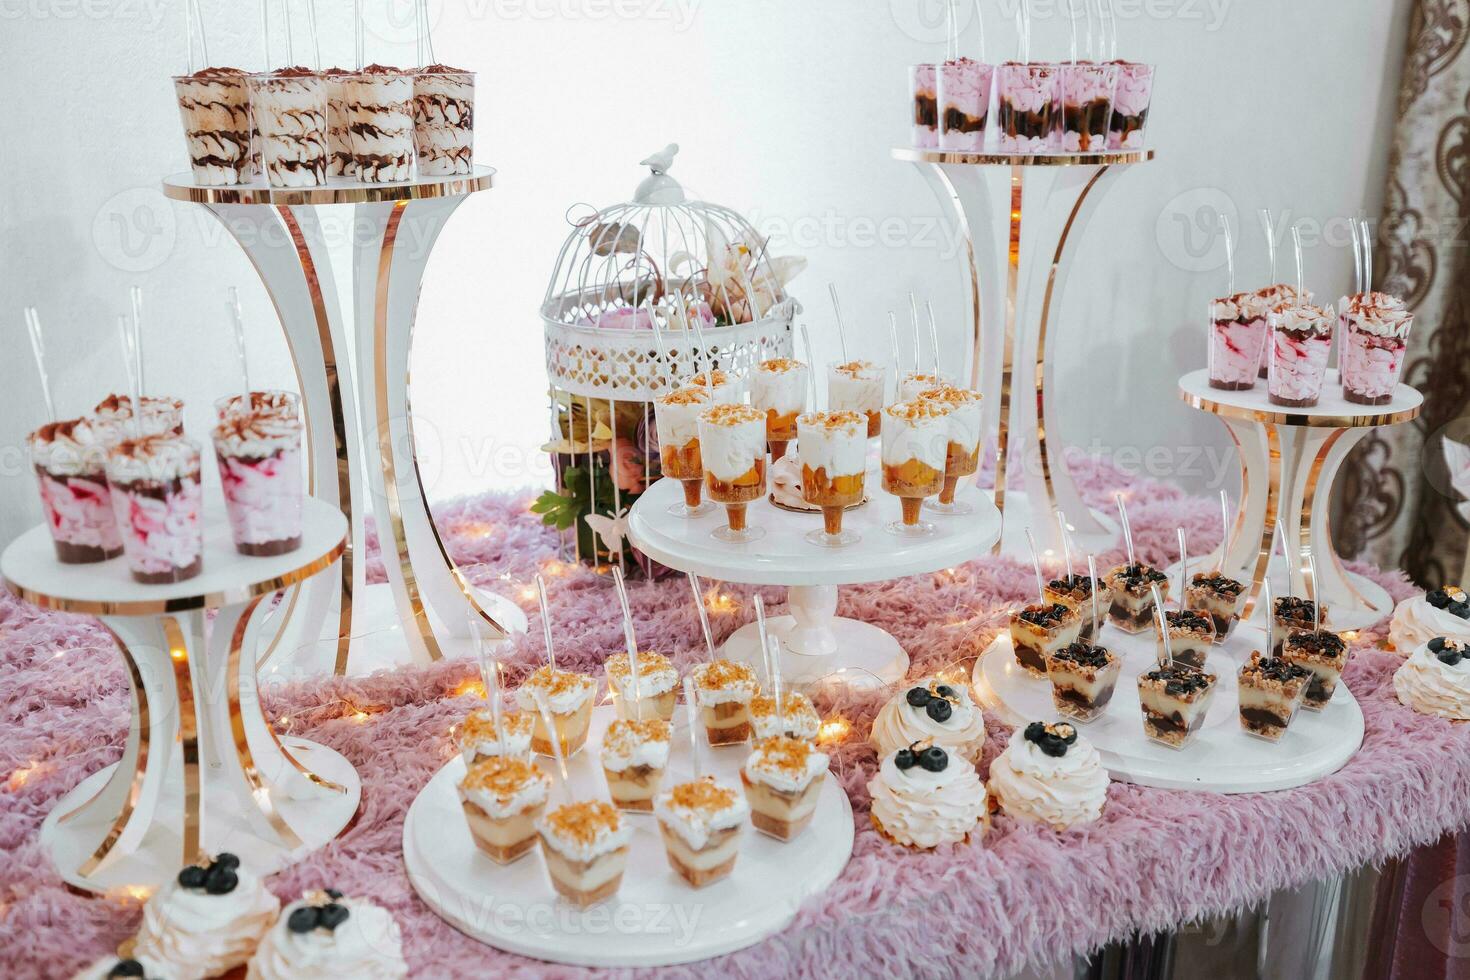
945, 691
1035, 731
904, 759
1460, 610
1439, 598
220, 881
934, 759
1436, 644
227, 860
333, 893
192, 877
1450, 656
939, 710
304, 919
919, 696
333, 915
126, 968
1052, 745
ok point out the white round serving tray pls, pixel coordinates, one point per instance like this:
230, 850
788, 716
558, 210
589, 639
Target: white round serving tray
1222, 758
655, 919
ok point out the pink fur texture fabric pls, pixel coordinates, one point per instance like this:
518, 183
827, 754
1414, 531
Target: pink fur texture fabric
1024, 894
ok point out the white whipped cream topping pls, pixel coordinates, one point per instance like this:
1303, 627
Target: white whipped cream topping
1431, 687
656, 675
623, 748
197, 934
842, 450
1242, 306
577, 688
899, 725
477, 735
696, 825
1376, 313
739, 689
784, 391
915, 382
857, 390
71, 448
1416, 622
156, 458
800, 717
606, 840
99, 969
1302, 319
678, 422
368, 946
729, 451
1060, 792
925, 438
964, 415
497, 805
259, 434
925, 809
160, 415
763, 767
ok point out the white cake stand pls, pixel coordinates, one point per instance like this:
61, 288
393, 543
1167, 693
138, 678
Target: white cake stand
1289, 458
818, 646
1222, 758
655, 919
202, 770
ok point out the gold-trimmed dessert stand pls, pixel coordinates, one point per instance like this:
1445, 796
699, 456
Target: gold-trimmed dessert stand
202, 770
1289, 458
1018, 270
367, 428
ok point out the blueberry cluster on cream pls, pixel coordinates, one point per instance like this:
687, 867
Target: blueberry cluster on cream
1435, 679
1049, 774
930, 709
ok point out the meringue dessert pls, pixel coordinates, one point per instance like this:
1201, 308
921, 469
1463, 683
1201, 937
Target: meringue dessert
1292, 613
1435, 679
676, 416
156, 495
260, 472
634, 756
1075, 592
1375, 334
569, 697
833, 447
915, 447
325, 934
1237, 338
657, 692
724, 690
1132, 610
701, 823
1083, 678
214, 107
858, 386
923, 798
378, 103
1270, 689
502, 798
1218, 596
783, 779
1325, 655
289, 108
1418, 619
125, 968
931, 710
797, 718
1191, 634
207, 920
778, 388
1300, 339
586, 850
1038, 630
1049, 774
962, 455
478, 738
732, 441
444, 120
71, 472
1174, 700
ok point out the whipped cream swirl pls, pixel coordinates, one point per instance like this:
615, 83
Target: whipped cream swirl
924, 809
1059, 791
899, 725
367, 946
1432, 687
197, 934
1416, 622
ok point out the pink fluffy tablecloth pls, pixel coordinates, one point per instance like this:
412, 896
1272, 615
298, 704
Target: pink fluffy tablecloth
1022, 895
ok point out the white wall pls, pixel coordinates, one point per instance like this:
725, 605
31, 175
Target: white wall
785, 110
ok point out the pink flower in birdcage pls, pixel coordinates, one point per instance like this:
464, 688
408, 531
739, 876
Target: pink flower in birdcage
628, 465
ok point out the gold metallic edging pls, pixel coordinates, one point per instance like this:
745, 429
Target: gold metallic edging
1268, 524
178, 652
1008, 348
258, 790
1284, 416
179, 187
914, 154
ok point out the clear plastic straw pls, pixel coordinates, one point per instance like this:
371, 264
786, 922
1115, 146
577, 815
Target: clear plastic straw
980, 23
1229, 254
1066, 544
811, 361
1224, 530
189, 34
38, 351
265, 31
914, 315
1367, 257
1268, 224
1127, 531
897, 354
771, 654
555, 740
136, 295
358, 32
130, 365
1092, 574
1072, 24
428, 34
1312, 586
203, 37
1296, 244
933, 334
841, 327
237, 321
489, 676
1163, 622
630, 639
1357, 258
1036, 566
709, 639
1285, 554
316, 45
545, 620
691, 715
1183, 567
290, 40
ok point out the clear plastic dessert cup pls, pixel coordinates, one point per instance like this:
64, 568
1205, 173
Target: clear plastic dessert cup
339, 141
214, 107
156, 496
379, 108
1375, 334
1237, 339
260, 472
834, 461
290, 112
962, 457
1131, 99
71, 474
1301, 340
732, 441
1086, 92
964, 104
778, 388
924, 102
915, 447
1026, 104
858, 386
444, 120
676, 418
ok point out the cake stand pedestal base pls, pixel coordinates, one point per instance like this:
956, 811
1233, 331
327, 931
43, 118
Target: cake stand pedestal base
1019, 517
870, 657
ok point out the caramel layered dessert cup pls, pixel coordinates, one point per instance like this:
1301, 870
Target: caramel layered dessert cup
379, 106
1026, 107
833, 447
962, 456
1218, 596
1375, 334
586, 850
796, 719
156, 496
701, 822
339, 141
778, 389
1288, 613
1083, 678
1075, 592
1133, 601
1270, 689
924, 105
1039, 630
732, 446
724, 387
1175, 700
502, 799
634, 757
915, 448
676, 416
783, 780
444, 120
1300, 339
262, 476
289, 107
1191, 634
915, 383
964, 103
214, 106
71, 473
657, 692
724, 690
1325, 654
858, 386
478, 738
113, 417
569, 698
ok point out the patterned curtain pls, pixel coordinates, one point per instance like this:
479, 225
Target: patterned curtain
1395, 504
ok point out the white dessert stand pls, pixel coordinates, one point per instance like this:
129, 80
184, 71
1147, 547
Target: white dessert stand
655, 919
1222, 758
202, 770
818, 646
392, 228
1289, 458
1021, 234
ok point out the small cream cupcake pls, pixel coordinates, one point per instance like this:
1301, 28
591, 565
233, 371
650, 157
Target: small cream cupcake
478, 738
207, 920
931, 709
798, 719
323, 934
1435, 679
658, 686
924, 797
1049, 774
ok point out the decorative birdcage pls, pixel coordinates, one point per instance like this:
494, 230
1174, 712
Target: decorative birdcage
644, 294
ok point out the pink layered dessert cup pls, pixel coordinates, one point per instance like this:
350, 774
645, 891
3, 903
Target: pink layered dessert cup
964, 103
71, 472
1274, 299
259, 455
1026, 103
1375, 333
1237, 337
1300, 339
444, 120
1087, 106
924, 98
156, 495
1131, 97
214, 107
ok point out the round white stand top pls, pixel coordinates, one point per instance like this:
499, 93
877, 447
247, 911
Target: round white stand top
337, 190
1332, 411
30, 570
992, 158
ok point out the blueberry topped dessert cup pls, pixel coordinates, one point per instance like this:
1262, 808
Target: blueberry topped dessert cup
1191, 634
1270, 689
1218, 596
1083, 678
1132, 585
1322, 652
1292, 613
1041, 629
1174, 699
1075, 592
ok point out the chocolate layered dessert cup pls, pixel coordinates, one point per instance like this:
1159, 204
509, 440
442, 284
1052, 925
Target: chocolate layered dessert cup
1237, 341
1375, 333
1026, 106
1131, 98
1041, 629
833, 448
289, 107
1133, 601
1174, 699
479, 739
858, 386
797, 718
963, 93
569, 698
156, 496
1300, 339
724, 690
261, 474
783, 781
71, 473
444, 120
1289, 613
701, 822
380, 127
1087, 105
1270, 689
924, 100
1325, 654
214, 106
732, 446
778, 389
1083, 678
915, 449
634, 756
962, 455
656, 694
502, 799
676, 415
1191, 634
113, 416
1218, 596
586, 850
1075, 592
339, 140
